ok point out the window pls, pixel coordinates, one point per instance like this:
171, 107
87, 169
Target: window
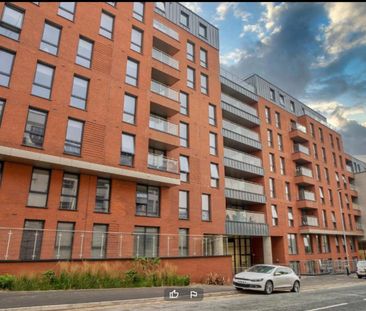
184, 19
324, 155
330, 197
321, 194
350, 222
42, 84
272, 189
106, 25
280, 142
206, 207
269, 138
337, 179
326, 173
213, 144
334, 221
267, 112
272, 94
129, 109
204, 84
331, 140
67, 10
74, 136
203, 58
69, 191
290, 216
307, 244
84, 53
132, 72
274, 215
212, 115
32, 237
64, 240
127, 150
272, 167
99, 241
38, 192
146, 242
325, 243
11, 22
278, 120
79, 92
6, 67
324, 218
282, 166
50, 38
191, 78
183, 204
160, 6
321, 135
202, 31
292, 106
214, 168
338, 144
292, 245
183, 99
138, 11
183, 134
35, 128
2, 107
147, 200
136, 40
190, 51
336, 242
102, 195
334, 159
282, 100
317, 168
287, 191
315, 150
184, 168
312, 130
341, 161
183, 242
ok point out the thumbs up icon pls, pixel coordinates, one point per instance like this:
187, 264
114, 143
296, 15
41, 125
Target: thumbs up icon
173, 294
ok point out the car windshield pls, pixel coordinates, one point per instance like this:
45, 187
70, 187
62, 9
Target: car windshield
361, 264
261, 269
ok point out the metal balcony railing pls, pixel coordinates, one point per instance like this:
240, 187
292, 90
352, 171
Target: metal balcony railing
306, 195
241, 185
349, 168
299, 127
301, 148
240, 130
238, 104
304, 171
162, 163
355, 206
234, 78
165, 29
359, 226
164, 90
165, 58
160, 124
242, 157
353, 187
309, 221
245, 216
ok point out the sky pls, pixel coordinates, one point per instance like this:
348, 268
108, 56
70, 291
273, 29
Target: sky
314, 51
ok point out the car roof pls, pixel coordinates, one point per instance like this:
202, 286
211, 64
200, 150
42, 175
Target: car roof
273, 266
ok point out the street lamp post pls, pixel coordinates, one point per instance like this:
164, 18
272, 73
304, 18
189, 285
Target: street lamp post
343, 229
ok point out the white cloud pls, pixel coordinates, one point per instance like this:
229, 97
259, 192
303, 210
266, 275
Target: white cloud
233, 57
196, 7
222, 9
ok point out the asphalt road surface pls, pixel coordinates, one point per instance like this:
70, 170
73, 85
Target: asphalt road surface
334, 293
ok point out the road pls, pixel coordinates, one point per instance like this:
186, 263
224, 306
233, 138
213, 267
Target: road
334, 293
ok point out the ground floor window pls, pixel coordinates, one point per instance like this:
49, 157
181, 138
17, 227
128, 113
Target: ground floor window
146, 242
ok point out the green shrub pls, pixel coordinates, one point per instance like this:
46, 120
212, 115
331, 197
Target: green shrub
7, 281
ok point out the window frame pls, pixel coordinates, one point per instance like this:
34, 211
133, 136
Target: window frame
43, 86
186, 18
56, 247
69, 12
125, 154
191, 83
128, 113
138, 48
49, 171
184, 106
37, 134
204, 88
76, 196
213, 139
212, 120
105, 241
70, 142
9, 27
105, 30
181, 138
147, 212
57, 47
184, 173
96, 210
128, 77
137, 15
82, 56
214, 183
183, 208
203, 63
203, 210
9, 75
78, 97
204, 28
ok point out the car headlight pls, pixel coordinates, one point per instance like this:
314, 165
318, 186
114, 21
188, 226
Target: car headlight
257, 280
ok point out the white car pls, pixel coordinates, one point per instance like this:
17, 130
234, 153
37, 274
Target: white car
267, 278
361, 268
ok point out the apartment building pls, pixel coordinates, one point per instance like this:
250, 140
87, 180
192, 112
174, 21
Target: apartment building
110, 140
120, 137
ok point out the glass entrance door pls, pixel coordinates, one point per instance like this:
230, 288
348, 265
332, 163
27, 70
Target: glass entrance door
240, 250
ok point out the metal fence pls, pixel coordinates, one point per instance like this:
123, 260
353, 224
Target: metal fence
41, 244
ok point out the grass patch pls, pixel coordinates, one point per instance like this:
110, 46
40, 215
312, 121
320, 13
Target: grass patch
144, 272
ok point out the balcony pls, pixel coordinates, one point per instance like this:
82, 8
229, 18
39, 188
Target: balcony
354, 191
310, 221
301, 154
304, 176
165, 58
239, 191
164, 135
162, 163
245, 223
165, 29
164, 90
349, 169
298, 133
306, 199
162, 125
238, 111
238, 137
239, 164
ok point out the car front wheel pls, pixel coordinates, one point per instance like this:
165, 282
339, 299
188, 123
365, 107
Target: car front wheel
268, 288
296, 287
359, 276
